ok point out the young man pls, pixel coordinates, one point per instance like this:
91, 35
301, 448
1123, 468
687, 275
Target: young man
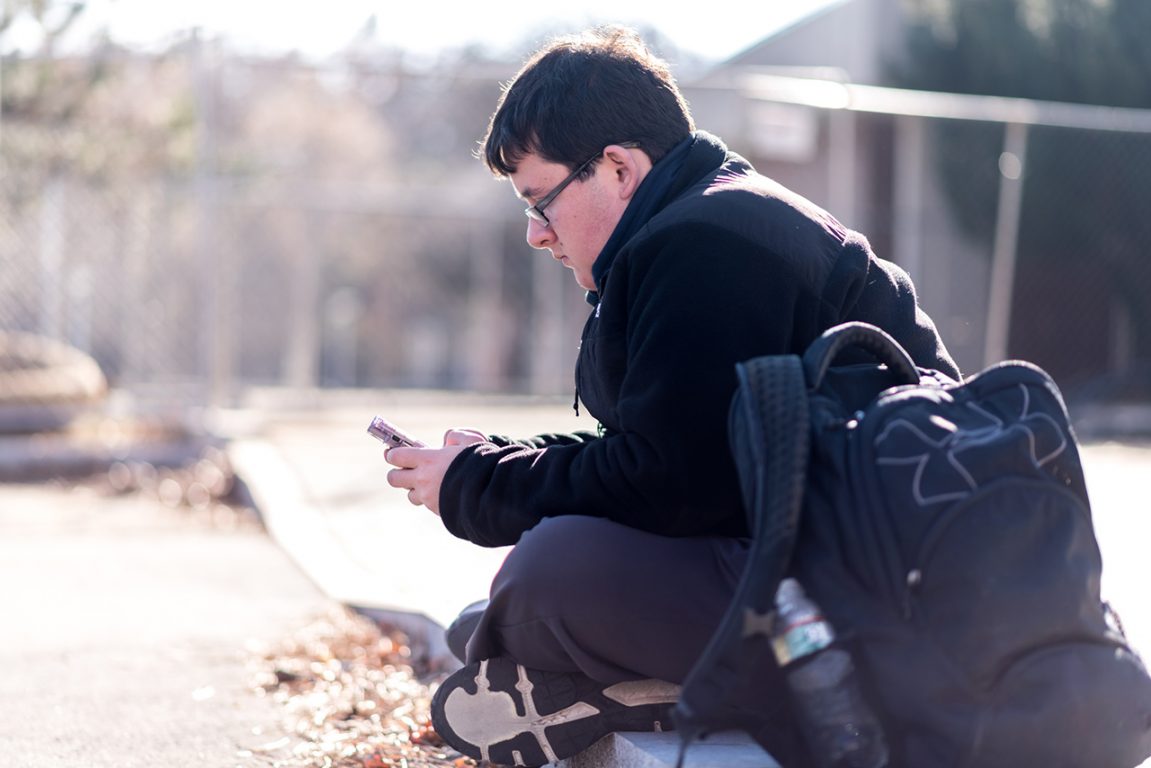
630, 542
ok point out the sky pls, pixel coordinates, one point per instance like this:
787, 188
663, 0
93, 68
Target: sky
316, 29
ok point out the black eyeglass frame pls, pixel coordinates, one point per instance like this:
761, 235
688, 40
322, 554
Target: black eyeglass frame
536, 212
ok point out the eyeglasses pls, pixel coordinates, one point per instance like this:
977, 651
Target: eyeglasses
536, 212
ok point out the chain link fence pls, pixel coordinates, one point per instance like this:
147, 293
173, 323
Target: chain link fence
187, 302
283, 253
1021, 222
192, 289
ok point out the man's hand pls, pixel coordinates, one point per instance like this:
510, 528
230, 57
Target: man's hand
421, 470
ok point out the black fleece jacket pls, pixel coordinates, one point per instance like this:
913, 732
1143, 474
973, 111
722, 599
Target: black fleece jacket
712, 264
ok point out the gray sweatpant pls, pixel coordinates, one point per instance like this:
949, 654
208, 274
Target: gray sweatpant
589, 596
584, 594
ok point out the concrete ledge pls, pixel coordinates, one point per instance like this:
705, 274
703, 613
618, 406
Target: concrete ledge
45, 383
659, 750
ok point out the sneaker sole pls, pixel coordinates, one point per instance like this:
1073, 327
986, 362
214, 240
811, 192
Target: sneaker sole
501, 712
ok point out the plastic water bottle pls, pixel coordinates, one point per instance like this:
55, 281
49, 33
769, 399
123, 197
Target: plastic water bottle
840, 729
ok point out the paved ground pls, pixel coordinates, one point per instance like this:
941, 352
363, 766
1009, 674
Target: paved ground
123, 631
1117, 478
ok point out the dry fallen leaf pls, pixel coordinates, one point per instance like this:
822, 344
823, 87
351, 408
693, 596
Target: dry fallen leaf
351, 698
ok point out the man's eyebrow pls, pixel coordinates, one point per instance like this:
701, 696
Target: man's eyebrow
527, 194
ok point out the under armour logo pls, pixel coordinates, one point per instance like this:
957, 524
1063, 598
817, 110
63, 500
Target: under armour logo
954, 458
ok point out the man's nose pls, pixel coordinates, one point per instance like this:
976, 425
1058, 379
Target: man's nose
540, 235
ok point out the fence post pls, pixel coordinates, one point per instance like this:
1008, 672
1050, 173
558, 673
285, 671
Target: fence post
214, 357
1004, 256
52, 223
909, 191
548, 368
842, 166
303, 307
485, 327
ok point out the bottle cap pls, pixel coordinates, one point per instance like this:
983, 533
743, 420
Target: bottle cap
789, 591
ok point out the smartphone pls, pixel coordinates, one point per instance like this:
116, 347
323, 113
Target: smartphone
390, 435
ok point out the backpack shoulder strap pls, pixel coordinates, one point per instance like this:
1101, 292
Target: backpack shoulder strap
770, 431
823, 352
770, 440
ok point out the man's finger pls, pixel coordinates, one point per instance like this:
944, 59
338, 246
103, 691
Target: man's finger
456, 436
401, 457
398, 478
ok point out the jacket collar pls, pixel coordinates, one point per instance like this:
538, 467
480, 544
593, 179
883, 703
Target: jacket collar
693, 159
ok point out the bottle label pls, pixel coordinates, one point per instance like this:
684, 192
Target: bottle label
802, 639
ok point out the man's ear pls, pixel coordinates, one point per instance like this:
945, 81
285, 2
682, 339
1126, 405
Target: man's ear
629, 166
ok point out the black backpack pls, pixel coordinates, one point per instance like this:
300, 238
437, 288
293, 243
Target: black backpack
944, 529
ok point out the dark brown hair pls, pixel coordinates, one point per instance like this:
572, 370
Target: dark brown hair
581, 93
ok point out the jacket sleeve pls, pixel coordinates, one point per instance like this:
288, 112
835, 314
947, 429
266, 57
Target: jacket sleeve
700, 300
543, 441
889, 301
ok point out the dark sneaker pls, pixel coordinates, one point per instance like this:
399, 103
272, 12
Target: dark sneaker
504, 713
461, 630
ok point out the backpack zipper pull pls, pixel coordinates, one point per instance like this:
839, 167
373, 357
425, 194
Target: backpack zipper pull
914, 579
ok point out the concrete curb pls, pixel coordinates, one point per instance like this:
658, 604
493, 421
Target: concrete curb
660, 750
330, 537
